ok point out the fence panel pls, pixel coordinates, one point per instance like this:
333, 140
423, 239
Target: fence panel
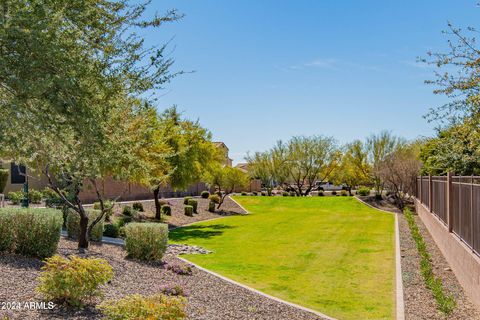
439, 198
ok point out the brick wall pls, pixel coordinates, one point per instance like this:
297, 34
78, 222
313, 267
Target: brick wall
464, 263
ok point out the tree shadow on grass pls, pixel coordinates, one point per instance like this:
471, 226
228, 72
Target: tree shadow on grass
198, 232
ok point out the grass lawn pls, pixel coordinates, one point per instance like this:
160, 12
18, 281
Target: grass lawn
331, 254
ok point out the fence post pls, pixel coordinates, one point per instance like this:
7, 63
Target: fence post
430, 192
449, 202
421, 188
471, 213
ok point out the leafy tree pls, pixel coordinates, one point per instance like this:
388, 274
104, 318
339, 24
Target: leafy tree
261, 166
74, 78
354, 168
226, 179
280, 170
379, 147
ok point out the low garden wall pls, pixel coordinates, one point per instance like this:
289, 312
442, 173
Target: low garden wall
464, 263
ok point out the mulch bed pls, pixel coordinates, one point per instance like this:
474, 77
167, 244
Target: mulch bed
210, 298
419, 301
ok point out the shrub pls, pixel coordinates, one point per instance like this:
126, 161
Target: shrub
182, 269
111, 230
334, 193
3, 179
445, 302
292, 194
128, 211
211, 206
189, 211
185, 200
15, 196
106, 204
73, 224
285, 194
215, 198
205, 194
72, 281
138, 206
343, 193
123, 220
166, 209
363, 191
30, 232
263, 193
136, 306
34, 196
146, 241
320, 193
244, 193
52, 199
254, 193
173, 290
194, 204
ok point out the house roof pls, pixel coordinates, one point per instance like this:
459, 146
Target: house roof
220, 144
242, 166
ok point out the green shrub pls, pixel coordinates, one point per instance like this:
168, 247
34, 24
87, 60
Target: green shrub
3, 179
166, 209
194, 204
73, 224
320, 193
73, 281
189, 211
263, 193
15, 196
30, 232
123, 220
445, 302
52, 199
215, 198
106, 204
138, 206
211, 206
136, 306
343, 193
285, 194
185, 200
363, 191
244, 193
293, 194
128, 211
111, 230
205, 194
254, 193
146, 241
334, 193
34, 196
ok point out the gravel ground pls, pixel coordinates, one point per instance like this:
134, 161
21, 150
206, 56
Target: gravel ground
419, 301
210, 298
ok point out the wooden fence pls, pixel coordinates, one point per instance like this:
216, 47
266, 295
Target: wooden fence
455, 201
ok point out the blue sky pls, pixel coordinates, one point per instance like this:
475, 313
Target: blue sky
267, 70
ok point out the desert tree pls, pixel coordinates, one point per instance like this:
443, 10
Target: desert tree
226, 180
354, 168
261, 166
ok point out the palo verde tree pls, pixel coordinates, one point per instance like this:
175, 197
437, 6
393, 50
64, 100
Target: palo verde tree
226, 180
261, 166
353, 169
74, 78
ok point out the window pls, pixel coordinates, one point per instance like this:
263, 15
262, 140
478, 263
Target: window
17, 173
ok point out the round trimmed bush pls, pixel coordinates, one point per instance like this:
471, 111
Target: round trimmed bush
138, 206
34, 196
194, 204
293, 194
363, 191
254, 193
211, 206
285, 194
343, 193
189, 210
111, 230
128, 211
146, 241
320, 193
185, 200
205, 194
263, 193
215, 198
166, 209
334, 193
244, 193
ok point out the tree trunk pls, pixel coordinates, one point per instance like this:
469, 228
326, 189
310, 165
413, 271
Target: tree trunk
349, 190
83, 236
158, 212
222, 199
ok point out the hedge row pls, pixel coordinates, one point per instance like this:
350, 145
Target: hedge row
30, 232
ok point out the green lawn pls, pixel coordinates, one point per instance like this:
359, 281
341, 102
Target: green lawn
331, 254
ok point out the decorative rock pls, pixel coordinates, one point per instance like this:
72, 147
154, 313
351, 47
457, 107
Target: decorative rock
178, 249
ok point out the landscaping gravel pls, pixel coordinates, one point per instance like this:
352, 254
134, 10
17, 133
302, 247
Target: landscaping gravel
210, 298
419, 301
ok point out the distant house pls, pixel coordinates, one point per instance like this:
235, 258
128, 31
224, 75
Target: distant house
255, 184
224, 149
243, 167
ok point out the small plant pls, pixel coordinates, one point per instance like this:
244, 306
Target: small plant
445, 303
320, 193
128, 211
181, 269
34, 196
73, 281
166, 210
189, 211
254, 193
194, 204
185, 200
263, 193
205, 194
244, 193
215, 198
52, 199
293, 194
123, 220
146, 241
15, 197
136, 306
173, 290
363, 191
334, 193
73, 224
111, 230
211, 206
343, 193
138, 206
285, 194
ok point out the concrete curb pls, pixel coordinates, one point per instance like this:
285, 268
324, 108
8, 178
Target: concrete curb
324, 316
399, 303
238, 204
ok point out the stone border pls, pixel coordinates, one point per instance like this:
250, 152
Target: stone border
238, 204
399, 303
257, 291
